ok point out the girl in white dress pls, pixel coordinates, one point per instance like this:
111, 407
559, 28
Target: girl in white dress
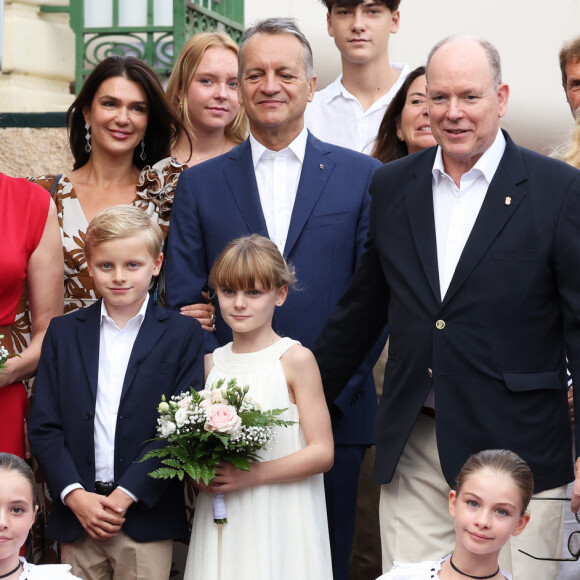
489, 505
17, 512
277, 527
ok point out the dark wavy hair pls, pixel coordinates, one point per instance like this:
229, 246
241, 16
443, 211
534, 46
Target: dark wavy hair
162, 126
388, 146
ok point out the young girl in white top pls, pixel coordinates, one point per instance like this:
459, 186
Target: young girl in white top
17, 513
277, 527
489, 505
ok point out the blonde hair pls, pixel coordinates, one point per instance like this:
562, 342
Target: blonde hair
249, 261
182, 75
572, 153
120, 222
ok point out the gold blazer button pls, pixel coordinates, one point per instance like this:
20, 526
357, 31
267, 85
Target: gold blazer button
440, 324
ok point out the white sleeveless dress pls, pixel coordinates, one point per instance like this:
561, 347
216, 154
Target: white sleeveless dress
274, 532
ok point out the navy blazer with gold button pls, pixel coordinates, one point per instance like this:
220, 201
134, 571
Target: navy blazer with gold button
494, 348
167, 358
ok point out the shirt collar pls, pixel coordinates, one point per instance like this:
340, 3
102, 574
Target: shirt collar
138, 317
486, 165
336, 88
297, 147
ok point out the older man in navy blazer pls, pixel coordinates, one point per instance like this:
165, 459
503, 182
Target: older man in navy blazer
473, 257
312, 200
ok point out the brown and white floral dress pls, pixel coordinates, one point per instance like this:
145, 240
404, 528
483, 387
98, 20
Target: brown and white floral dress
154, 195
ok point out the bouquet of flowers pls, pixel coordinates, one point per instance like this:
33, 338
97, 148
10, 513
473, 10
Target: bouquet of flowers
202, 429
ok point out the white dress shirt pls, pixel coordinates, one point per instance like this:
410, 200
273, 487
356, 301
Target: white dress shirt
277, 176
336, 116
457, 208
115, 347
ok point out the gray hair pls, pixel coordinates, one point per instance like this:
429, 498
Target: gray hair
490, 51
279, 25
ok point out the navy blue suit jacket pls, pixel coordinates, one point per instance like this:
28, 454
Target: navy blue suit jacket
218, 201
494, 348
167, 358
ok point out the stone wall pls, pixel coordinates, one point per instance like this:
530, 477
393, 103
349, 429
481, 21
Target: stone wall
26, 151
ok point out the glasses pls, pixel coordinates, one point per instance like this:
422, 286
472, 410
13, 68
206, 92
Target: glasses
573, 538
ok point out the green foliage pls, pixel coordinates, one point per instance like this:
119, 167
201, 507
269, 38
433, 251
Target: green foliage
194, 451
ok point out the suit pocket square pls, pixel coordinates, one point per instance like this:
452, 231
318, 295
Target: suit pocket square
521, 382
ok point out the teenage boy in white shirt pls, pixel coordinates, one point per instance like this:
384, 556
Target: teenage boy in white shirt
348, 112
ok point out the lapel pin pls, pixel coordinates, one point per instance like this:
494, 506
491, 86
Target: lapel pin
508, 200
321, 166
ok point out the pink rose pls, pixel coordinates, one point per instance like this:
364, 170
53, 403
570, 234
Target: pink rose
222, 418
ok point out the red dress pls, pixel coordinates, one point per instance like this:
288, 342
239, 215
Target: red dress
23, 212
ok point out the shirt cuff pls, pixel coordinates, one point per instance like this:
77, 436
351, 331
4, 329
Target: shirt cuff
132, 496
68, 489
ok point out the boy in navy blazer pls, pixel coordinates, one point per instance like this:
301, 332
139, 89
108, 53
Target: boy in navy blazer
101, 375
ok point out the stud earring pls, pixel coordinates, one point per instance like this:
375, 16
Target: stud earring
88, 138
143, 155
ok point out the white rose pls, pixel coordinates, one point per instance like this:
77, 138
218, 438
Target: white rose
168, 428
184, 403
205, 404
216, 396
181, 417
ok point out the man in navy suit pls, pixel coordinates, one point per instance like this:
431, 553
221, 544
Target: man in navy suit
312, 200
473, 257
100, 379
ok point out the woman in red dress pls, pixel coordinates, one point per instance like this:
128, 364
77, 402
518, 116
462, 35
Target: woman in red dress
31, 271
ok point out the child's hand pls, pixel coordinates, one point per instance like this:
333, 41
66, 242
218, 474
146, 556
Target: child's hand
98, 515
229, 478
122, 500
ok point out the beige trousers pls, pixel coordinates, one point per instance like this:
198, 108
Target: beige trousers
118, 558
415, 520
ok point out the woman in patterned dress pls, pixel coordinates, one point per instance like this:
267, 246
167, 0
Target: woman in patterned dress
121, 128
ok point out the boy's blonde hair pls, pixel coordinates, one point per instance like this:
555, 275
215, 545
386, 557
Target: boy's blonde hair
123, 221
249, 261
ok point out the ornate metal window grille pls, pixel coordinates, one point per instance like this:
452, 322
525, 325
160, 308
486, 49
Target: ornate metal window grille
155, 43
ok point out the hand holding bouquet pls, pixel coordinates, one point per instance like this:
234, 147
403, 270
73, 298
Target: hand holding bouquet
202, 429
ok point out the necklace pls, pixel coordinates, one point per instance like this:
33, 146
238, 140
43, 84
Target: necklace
469, 575
11, 571
203, 157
